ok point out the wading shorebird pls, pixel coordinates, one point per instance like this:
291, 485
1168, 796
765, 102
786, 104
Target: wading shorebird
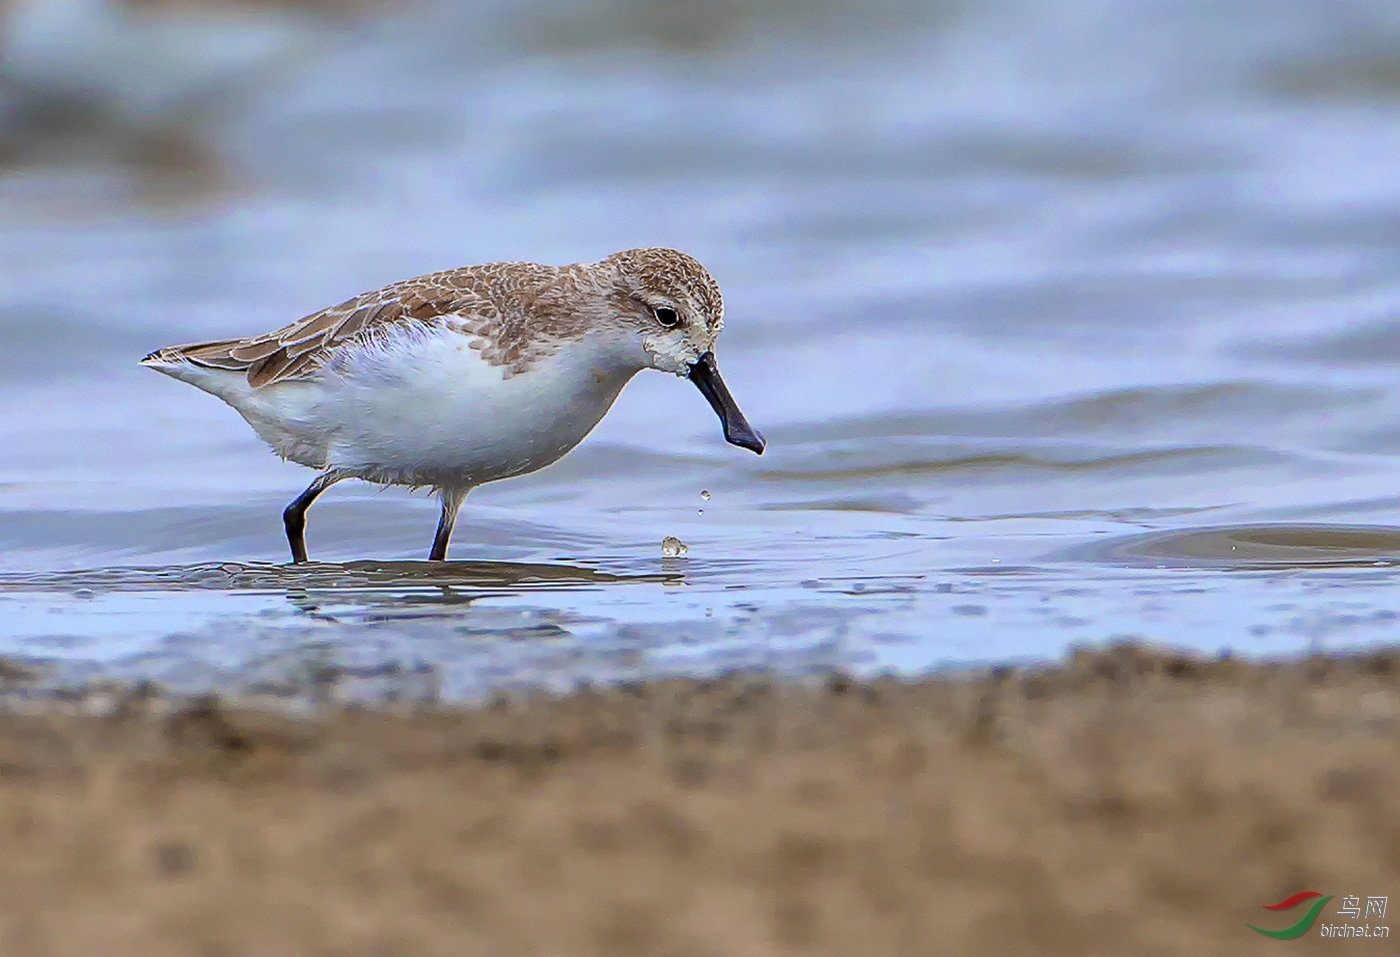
468, 376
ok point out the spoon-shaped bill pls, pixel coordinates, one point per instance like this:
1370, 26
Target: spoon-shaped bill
737, 431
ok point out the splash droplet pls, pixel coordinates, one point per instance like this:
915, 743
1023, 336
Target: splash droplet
673, 547
705, 494
699, 511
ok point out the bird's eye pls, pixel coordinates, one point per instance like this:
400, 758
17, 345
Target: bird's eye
667, 317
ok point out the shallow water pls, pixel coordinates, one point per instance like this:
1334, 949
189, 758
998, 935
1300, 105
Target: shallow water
1064, 321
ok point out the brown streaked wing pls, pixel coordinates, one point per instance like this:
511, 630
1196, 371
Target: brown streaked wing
268, 369
363, 317
298, 348
301, 347
252, 350
465, 296
214, 354
311, 329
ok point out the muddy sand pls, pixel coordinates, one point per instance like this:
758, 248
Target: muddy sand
1126, 801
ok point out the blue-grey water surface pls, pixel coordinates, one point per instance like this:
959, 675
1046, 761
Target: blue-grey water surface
1065, 321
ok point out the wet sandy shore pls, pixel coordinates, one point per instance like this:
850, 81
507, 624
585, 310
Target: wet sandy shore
1126, 801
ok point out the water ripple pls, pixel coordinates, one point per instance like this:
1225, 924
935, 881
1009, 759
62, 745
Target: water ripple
1248, 547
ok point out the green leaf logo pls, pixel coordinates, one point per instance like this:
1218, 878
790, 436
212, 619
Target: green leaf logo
1304, 924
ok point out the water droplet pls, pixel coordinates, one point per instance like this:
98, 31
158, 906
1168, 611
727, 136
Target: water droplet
673, 547
700, 511
705, 494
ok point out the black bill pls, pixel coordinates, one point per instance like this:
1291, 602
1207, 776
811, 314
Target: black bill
737, 431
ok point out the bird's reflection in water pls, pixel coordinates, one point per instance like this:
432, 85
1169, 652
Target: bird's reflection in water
469, 578
361, 592
404, 591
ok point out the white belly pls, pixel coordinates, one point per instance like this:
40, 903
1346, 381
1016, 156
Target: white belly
423, 408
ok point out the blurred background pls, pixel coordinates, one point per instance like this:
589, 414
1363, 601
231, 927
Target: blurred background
1065, 319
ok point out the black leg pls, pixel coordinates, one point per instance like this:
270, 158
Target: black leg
294, 516
451, 501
